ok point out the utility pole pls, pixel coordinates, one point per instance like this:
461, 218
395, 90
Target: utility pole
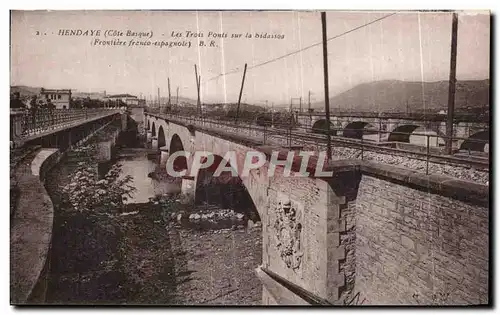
159, 102
199, 95
177, 97
198, 78
300, 105
452, 84
241, 91
309, 101
169, 104
327, 95
272, 115
309, 108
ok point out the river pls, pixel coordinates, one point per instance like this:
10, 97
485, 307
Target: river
139, 258
138, 165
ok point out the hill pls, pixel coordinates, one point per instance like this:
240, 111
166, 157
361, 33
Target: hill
182, 100
394, 95
92, 95
25, 91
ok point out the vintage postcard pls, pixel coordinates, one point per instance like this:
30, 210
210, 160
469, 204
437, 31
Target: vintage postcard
338, 158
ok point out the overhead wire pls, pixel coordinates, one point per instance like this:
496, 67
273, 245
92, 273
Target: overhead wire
303, 49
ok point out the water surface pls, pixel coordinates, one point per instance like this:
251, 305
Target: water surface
139, 166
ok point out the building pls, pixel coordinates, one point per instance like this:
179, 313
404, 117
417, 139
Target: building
129, 100
61, 99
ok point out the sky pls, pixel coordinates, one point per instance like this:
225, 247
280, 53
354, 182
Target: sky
405, 46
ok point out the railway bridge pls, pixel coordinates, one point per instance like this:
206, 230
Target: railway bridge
400, 126
359, 231
333, 232
38, 142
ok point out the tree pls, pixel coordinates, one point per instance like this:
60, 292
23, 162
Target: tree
15, 100
86, 193
34, 102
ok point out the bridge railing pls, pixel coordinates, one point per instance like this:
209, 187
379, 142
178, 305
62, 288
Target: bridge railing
26, 122
314, 139
462, 116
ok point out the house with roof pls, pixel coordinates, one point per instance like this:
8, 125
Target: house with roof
128, 99
60, 98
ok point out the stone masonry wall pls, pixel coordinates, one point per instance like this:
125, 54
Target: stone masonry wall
304, 222
414, 247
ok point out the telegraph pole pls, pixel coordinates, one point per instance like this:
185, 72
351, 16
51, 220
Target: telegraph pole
272, 115
159, 102
452, 84
327, 96
309, 101
168, 108
241, 91
309, 108
177, 97
198, 78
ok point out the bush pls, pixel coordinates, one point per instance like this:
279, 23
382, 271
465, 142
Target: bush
86, 193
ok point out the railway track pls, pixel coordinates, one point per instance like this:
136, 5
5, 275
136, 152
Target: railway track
460, 159
305, 138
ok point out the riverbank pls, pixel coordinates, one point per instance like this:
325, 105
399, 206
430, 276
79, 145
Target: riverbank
217, 267
141, 256
138, 258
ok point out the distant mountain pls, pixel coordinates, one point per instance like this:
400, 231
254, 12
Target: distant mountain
243, 106
28, 91
92, 95
394, 95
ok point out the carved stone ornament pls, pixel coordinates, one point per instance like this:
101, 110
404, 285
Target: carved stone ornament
288, 228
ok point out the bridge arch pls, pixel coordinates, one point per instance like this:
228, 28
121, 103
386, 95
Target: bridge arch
264, 119
320, 126
402, 133
224, 190
471, 144
416, 134
161, 137
180, 162
153, 130
357, 129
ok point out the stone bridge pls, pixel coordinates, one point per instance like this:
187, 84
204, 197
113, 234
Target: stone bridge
399, 127
366, 233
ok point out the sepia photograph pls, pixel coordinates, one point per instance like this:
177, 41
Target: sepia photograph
250, 158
